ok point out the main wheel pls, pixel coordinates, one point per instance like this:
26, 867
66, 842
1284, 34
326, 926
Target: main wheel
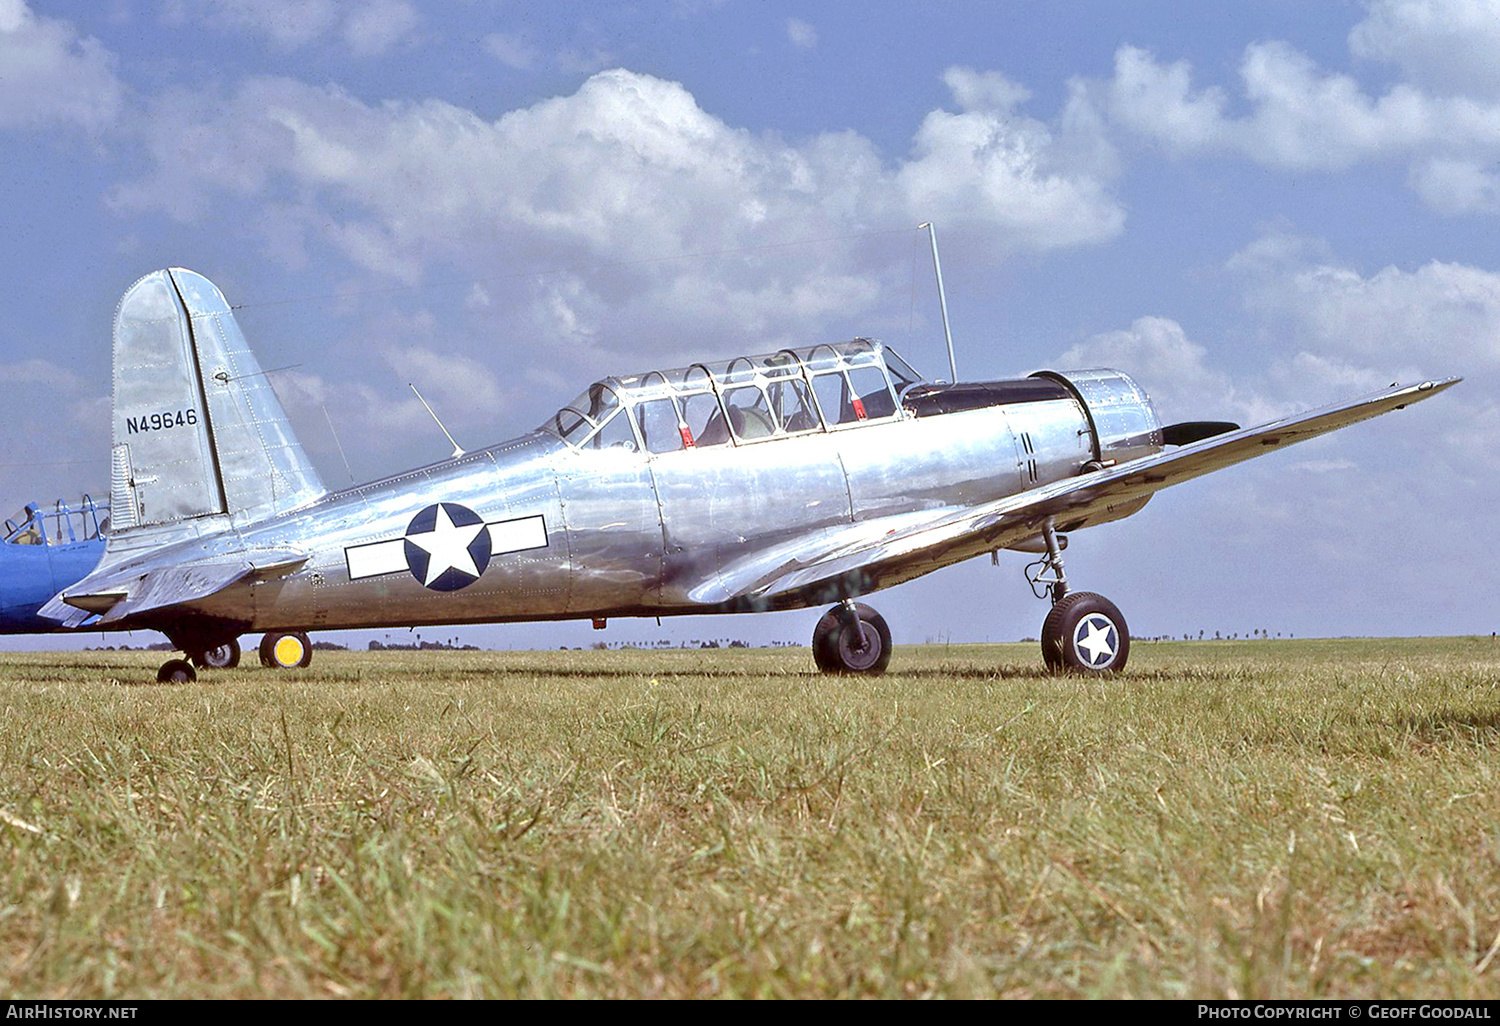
285, 650
1085, 633
838, 647
176, 671
220, 657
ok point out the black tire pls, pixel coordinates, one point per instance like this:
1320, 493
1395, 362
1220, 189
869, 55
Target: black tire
176, 671
220, 657
828, 623
306, 650
838, 649
285, 650
1085, 633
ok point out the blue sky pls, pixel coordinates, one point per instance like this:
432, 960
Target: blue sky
1252, 208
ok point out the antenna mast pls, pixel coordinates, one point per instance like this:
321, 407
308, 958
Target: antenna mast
942, 301
457, 449
333, 431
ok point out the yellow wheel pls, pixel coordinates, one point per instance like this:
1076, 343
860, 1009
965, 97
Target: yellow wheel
285, 650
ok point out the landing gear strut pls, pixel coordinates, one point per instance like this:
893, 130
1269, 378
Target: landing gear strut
207, 647
1083, 632
218, 657
852, 638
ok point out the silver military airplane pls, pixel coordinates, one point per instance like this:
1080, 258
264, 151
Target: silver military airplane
793, 479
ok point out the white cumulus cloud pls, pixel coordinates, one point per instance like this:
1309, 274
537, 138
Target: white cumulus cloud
1334, 330
1173, 369
510, 49
1447, 46
1298, 116
375, 27
49, 74
366, 27
626, 183
801, 34
1437, 318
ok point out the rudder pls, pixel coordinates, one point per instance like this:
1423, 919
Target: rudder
198, 430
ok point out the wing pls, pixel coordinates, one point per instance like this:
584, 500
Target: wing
874, 554
120, 593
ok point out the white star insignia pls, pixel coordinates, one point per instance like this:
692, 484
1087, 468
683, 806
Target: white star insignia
447, 546
1097, 641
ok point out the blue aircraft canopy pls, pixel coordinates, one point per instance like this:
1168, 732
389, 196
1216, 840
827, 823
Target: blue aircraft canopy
60, 525
749, 398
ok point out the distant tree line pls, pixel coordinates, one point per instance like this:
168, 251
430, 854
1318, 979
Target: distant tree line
422, 646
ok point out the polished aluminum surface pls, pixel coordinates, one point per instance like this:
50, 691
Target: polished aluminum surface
762, 482
168, 474
199, 433
1124, 421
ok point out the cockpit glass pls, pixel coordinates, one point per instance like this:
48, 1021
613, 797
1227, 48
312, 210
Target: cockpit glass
598, 401
744, 399
749, 414
614, 433
657, 419
821, 358
739, 372
570, 425
61, 524
872, 396
793, 406
695, 377
23, 529
903, 376
781, 365
705, 421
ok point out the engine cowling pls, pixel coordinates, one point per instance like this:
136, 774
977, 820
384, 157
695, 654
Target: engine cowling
1120, 414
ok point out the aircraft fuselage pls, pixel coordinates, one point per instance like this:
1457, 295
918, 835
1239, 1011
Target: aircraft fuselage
617, 532
775, 481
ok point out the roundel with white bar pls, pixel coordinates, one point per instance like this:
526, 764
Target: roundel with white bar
447, 546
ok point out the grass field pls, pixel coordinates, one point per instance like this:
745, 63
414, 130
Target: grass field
1244, 819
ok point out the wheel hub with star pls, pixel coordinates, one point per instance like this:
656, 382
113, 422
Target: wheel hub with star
1096, 639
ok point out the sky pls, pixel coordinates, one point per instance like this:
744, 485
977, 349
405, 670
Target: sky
1253, 209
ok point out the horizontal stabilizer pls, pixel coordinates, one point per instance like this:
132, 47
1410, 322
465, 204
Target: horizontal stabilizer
121, 593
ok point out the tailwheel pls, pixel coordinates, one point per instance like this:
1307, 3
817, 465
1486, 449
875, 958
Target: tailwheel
176, 671
1085, 633
852, 638
219, 657
285, 650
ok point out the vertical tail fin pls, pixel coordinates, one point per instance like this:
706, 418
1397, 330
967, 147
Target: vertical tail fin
198, 431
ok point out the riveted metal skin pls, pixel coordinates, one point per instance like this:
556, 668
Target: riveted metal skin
631, 532
779, 481
1120, 413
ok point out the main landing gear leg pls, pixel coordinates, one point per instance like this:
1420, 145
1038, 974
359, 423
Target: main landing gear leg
852, 638
225, 656
1083, 632
205, 650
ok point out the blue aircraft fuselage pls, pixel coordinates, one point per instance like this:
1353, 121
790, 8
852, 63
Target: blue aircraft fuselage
42, 551
32, 574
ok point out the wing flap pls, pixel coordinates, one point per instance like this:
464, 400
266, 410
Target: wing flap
876, 554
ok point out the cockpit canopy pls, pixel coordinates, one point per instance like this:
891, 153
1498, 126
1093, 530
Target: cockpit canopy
747, 399
61, 525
